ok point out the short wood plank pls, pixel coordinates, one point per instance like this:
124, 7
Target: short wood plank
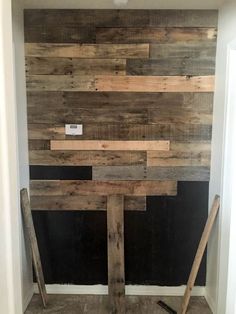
75, 66
154, 35
60, 83
154, 83
115, 246
84, 51
200, 251
174, 132
151, 173
109, 145
28, 220
181, 154
87, 158
83, 203
91, 187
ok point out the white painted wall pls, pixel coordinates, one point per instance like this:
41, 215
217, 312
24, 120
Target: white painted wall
18, 40
219, 244
10, 248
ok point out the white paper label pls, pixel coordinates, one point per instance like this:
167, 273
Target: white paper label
74, 129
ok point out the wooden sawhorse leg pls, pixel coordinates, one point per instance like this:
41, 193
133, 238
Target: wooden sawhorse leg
115, 242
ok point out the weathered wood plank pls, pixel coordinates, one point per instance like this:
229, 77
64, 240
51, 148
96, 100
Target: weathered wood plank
38, 144
201, 102
87, 51
86, 115
60, 83
28, 220
171, 66
154, 83
154, 35
115, 247
174, 132
75, 66
83, 202
89, 187
187, 51
181, 154
151, 173
109, 145
87, 158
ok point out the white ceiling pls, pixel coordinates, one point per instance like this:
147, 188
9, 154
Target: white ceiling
132, 4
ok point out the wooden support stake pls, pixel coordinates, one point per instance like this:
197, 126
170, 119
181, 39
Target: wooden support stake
115, 239
200, 252
25, 206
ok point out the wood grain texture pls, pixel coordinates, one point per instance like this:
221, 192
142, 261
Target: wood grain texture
90, 187
151, 173
60, 83
83, 203
154, 35
74, 66
110, 145
155, 83
116, 259
87, 158
175, 132
87, 51
182, 154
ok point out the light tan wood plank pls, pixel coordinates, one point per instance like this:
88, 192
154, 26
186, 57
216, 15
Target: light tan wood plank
86, 51
89, 187
110, 145
115, 247
60, 83
181, 154
75, 66
155, 83
87, 158
83, 203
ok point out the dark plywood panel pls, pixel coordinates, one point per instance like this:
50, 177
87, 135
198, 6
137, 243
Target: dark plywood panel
66, 240
175, 66
74, 66
154, 83
116, 258
103, 51
155, 35
88, 158
201, 102
90, 187
177, 132
181, 173
83, 202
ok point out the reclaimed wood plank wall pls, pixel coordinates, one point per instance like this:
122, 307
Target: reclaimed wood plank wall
126, 75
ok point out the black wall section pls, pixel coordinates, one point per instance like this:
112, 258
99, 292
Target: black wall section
160, 243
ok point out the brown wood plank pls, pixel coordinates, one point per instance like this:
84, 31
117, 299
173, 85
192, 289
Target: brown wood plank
151, 173
176, 132
69, 66
87, 51
115, 247
87, 158
171, 66
154, 35
109, 145
83, 202
155, 83
89, 187
28, 220
60, 83
38, 145
181, 154
86, 115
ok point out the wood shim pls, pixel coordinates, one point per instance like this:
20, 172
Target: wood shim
155, 83
110, 145
89, 187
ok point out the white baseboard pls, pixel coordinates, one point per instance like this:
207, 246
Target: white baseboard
129, 290
210, 302
28, 297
